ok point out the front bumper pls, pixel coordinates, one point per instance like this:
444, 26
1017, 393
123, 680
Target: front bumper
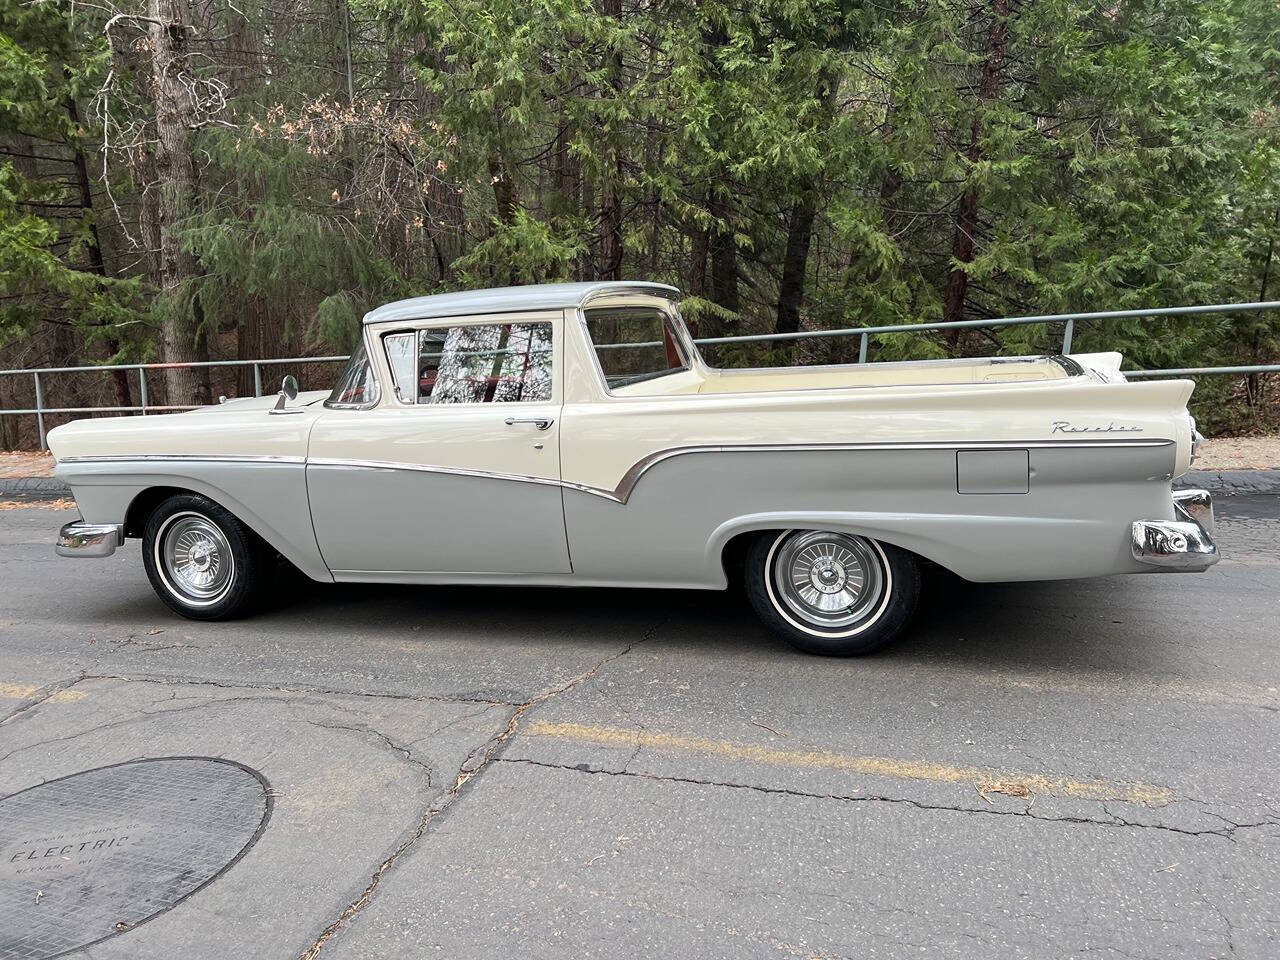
82, 539
1182, 544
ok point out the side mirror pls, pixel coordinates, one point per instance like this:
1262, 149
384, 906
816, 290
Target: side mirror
288, 391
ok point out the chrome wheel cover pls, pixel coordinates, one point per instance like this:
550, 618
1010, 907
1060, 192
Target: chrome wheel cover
827, 583
194, 559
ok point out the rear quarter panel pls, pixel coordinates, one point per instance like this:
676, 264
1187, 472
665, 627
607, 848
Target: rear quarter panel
877, 461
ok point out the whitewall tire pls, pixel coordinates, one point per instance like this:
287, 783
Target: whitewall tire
201, 561
831, 593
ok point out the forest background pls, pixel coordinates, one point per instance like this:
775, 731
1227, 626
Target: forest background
209, 179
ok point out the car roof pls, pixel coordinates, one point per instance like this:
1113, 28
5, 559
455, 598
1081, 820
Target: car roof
538, 296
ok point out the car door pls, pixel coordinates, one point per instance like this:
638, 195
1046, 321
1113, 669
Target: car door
454, 468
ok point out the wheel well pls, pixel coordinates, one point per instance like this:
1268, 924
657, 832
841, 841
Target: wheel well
135, 518
734, 553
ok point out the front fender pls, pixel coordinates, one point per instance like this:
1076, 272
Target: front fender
270, 498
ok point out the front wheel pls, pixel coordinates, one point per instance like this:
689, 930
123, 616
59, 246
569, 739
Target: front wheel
201, 561
831, 593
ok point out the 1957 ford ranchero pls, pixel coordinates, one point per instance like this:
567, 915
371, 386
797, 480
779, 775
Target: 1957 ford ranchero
571, 435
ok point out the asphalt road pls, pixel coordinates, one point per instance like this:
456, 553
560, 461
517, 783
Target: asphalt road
1083, 769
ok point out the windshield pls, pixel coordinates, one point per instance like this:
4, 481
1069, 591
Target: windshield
634, 344
357, 386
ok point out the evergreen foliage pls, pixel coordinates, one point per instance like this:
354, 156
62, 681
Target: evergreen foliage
790, 164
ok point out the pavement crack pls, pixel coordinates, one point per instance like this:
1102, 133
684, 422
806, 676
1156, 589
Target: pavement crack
475, 763
392, 745
1111, 819
300, 689
43, 695
461, 719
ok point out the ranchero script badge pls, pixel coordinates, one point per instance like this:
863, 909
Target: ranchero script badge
1066, 426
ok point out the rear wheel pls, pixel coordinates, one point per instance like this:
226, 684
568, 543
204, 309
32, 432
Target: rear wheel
201, 561
831, 593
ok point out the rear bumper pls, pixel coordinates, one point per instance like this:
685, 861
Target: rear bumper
1183, 544
82, 539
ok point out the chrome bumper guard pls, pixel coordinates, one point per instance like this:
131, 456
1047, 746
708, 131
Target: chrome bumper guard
82, 539
1185, 543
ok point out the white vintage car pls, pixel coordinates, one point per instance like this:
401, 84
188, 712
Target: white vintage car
572, 435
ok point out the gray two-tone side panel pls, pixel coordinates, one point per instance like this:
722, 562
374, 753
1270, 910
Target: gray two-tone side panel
267, 496
405, 520
1073, 522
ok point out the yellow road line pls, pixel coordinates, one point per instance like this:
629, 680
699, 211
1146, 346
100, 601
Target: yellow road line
991, 781
25, 691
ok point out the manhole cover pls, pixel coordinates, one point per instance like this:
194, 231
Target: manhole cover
99, 852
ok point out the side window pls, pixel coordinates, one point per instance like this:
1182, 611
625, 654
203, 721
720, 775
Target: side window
484, 363
634, 344
402, 357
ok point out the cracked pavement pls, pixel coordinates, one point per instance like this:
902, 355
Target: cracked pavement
1045, 770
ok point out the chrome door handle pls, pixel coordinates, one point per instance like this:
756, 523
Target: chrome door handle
542, 423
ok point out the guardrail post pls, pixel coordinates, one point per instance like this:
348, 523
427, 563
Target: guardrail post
862, 349
257, 380
142, 389
40, 411
1066, 336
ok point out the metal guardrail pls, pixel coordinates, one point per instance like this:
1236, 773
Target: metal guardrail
39, 410
863, 333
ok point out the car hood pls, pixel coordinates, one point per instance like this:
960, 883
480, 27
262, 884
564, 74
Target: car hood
235, 429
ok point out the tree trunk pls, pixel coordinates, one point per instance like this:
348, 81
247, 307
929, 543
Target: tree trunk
698, 246
966, 222
611, 174
892, 181
795, 260
339, 17
505, 197
611, 220
443, 201
1253, 382
260, 330
723, 285
181, 337
590, 259
119, 378
698, 249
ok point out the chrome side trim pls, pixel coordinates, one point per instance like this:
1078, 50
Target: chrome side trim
622, 492
427, 468
183, 457
80, 539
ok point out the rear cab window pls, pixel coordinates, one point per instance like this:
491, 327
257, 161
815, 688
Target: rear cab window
634, 344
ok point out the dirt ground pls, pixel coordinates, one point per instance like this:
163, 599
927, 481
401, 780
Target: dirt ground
20, 464
1240, 453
